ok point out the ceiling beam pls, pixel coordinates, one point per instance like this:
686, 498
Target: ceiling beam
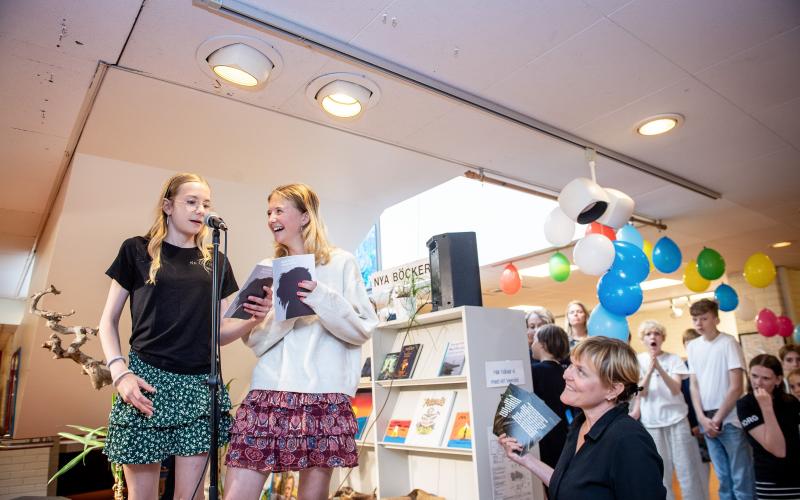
301, 35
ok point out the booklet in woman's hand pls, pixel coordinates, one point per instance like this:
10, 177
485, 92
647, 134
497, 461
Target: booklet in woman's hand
260, 277
523, 416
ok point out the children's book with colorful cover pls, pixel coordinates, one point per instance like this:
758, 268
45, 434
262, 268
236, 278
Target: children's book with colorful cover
429, 424
389, 366
409, 355
396, 431
362, 407
453, 360
460, 432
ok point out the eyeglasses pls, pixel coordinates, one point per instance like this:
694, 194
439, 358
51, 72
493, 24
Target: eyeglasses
192, 205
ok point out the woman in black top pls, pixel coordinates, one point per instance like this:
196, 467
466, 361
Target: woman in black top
163, 408
550, 344
771, 418
607, 455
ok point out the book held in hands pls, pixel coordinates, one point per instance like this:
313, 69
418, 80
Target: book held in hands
260, 277
288, 272
523, 416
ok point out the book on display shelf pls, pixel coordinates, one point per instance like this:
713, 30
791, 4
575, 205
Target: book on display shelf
366, 370
362, 408
397, 431
453, 360
460, 432
429, 424
389, 366
409, 354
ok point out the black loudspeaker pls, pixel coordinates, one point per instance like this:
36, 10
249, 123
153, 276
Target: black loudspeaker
455, 274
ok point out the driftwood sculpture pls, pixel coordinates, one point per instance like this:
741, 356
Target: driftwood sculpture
96, 370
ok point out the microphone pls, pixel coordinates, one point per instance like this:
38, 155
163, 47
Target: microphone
214, 221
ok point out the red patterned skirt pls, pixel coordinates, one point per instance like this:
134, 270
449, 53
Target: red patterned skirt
279, 431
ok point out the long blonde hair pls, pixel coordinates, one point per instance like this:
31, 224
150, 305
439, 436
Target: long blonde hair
314, 239
158, 231
568, 326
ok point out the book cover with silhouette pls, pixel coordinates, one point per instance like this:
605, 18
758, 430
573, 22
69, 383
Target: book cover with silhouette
389, 366
260, 277
523, 416
453, 359
362, 408
461, 431
409, 355
288, 272
397, 431
429, 424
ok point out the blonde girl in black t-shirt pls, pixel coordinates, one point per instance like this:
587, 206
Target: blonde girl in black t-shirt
163, 408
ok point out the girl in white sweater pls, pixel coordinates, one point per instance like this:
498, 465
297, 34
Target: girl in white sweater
297, 415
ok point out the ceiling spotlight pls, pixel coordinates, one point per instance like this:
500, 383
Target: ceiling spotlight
676, 311
343, 99
659, 124
241, 64
343, 95
781, 244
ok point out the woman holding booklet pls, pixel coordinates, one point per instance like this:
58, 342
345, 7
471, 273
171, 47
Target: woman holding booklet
297, 415
607, 455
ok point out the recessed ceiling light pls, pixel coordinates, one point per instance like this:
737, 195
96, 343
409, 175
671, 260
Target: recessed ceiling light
245, 62
343, 95
781, 244
659, 124
541, 271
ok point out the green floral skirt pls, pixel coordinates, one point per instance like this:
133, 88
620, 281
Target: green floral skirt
181, 421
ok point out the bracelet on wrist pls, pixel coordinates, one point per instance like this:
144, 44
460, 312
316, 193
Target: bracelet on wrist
114, 360
119, 377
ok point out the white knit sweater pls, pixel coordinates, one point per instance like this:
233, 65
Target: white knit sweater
319, 353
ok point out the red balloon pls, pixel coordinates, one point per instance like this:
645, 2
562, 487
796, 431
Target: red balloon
767, 323
785, 326
597, 228
510, 283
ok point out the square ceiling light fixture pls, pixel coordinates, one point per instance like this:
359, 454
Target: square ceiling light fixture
244, 61
343, 95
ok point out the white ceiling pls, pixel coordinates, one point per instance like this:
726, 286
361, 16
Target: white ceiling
591, 67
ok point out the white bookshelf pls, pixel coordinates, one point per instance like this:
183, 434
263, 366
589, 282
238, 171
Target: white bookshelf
454, 473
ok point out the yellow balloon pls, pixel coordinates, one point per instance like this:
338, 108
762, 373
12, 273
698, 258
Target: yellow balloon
759, 270
692, 278
647, 247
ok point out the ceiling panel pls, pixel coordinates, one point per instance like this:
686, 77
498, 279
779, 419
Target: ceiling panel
593, 73
783, 120
467, 43
710, 30
715, 134
762, 77
29, 168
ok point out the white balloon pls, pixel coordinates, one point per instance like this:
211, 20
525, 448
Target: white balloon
558, 228
594, 254
746, 311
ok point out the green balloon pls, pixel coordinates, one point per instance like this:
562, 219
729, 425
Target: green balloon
710, 264
559, 267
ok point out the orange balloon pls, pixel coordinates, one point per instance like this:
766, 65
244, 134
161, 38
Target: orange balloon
597, 228
510, 282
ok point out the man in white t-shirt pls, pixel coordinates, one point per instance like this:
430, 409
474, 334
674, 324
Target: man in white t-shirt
716, 368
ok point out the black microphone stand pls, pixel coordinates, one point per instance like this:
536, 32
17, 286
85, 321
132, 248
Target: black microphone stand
214, 378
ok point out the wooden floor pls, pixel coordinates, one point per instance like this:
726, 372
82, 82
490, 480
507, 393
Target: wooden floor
713, 485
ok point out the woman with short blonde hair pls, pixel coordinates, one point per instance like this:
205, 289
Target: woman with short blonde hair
607, 453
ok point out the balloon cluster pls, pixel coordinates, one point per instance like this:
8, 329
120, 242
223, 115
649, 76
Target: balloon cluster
769, 324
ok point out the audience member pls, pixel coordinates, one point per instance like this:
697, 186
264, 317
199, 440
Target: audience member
794, 382
790, 359
662, 410
537, 317
716, 371
576, 318
772, 421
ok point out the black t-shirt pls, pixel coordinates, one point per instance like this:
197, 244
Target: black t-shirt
548, 384
171, 320
768, 467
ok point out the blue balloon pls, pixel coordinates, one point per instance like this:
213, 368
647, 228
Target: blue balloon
618, 296
631, 235
796, 334
630, 263
666, 256
602, 322
726, 297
